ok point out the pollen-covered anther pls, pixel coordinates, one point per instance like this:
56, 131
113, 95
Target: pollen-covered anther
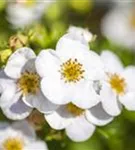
74, 110
29, 83
117, 83
72, 71
13, 144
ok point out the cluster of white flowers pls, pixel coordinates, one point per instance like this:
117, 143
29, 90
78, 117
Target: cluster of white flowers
19, 136
75, 88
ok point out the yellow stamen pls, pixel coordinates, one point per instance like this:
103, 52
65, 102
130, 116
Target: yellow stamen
117, 83
13, 144
72, 71
74, 110
29, 83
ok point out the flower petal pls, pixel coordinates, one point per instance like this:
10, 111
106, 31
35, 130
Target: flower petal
80, 130
17, 111
110, 101
77, 37
47, 63
25, 127
55, 90
112, 62
129, 75
128, 100
81, 34
17, 61
29, 66
8, 89
40, 145
3, 75
40, 102
98, 116
68, 44
84, 96
59, 119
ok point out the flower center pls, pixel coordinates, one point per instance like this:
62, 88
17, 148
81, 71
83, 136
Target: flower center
72, 71
13, 144
74, 110
117, 83
29, 83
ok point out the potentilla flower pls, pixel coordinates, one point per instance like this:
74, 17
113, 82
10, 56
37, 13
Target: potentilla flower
19, 136
118, 88
68, 73
20, 86
78, 33
22, 13
78, 123
122, 19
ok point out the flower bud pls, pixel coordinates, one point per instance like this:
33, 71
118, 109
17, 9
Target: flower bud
18, 41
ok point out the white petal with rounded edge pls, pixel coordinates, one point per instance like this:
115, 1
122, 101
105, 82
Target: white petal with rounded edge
59, 119
40, 102
128, 100
84, 95
8, 89
68, 44
17, 111
129, 75
110, 101
80, 130
98, 116
17, 61
55, 90
80, 33
111, 62
37, 145
47, 63
76, 37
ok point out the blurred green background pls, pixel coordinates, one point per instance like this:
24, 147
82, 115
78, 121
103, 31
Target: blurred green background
118, 135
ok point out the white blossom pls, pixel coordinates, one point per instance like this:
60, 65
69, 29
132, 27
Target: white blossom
118, 26
68, 73
118, 87
78, 123
20, 136
20, 86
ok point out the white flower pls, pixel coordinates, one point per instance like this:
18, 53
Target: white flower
78, 123
22, 13
78, 33
66, 73
20, 86
119, 26
118, 88
19, 136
